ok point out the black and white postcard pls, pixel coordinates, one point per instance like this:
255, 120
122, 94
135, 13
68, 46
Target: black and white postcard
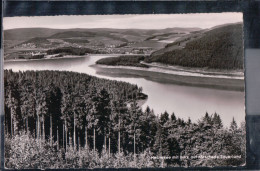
124, 91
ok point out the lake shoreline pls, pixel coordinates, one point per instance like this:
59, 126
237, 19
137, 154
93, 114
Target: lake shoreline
224, 82
162, 77
165, 92
67, 57
239, 73
63, 57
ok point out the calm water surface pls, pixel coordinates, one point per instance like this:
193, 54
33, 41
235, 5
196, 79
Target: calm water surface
184, 101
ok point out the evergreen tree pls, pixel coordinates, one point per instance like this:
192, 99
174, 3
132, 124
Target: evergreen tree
217, 121
164, 118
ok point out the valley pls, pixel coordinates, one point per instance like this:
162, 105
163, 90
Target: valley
102, 41
124, 91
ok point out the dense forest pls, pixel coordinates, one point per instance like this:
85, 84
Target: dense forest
37, 41
219, 48
123, 61
70, 120
71, 51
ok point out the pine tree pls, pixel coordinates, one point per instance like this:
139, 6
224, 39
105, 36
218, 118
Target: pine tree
173, 117
164, 118
217, 122
233, 126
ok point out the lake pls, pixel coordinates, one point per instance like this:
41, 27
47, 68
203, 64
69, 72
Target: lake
184, 101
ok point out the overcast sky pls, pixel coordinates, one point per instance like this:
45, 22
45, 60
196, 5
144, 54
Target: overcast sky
152, 21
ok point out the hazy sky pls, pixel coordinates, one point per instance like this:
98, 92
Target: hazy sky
151, 21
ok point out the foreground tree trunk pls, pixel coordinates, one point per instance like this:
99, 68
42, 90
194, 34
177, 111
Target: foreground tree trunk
66, 137
43, 127
38, 127
58, 144
63, 135
74, 132
70, 139
105, 142
109, 146
27, 125
94, 140
51, 129
11, 125
78, 143
35, 134
134, 143
134, 150
119, 138
86, 137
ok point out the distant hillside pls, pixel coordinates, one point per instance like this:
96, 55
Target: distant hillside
107, 40
28, 33
37, 40
71, 51
220, 48
68, 34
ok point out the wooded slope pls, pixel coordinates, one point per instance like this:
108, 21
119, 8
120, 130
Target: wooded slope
219, 48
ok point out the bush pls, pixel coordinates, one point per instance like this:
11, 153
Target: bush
24, 152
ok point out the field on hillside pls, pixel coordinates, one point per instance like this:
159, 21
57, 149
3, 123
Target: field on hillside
121, 41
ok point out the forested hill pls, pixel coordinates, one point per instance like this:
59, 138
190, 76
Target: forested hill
218, 48
59, 119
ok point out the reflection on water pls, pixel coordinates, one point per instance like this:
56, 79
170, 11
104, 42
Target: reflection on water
184, 101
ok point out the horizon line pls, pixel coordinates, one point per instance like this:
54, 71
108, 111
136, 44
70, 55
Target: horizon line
121, 28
